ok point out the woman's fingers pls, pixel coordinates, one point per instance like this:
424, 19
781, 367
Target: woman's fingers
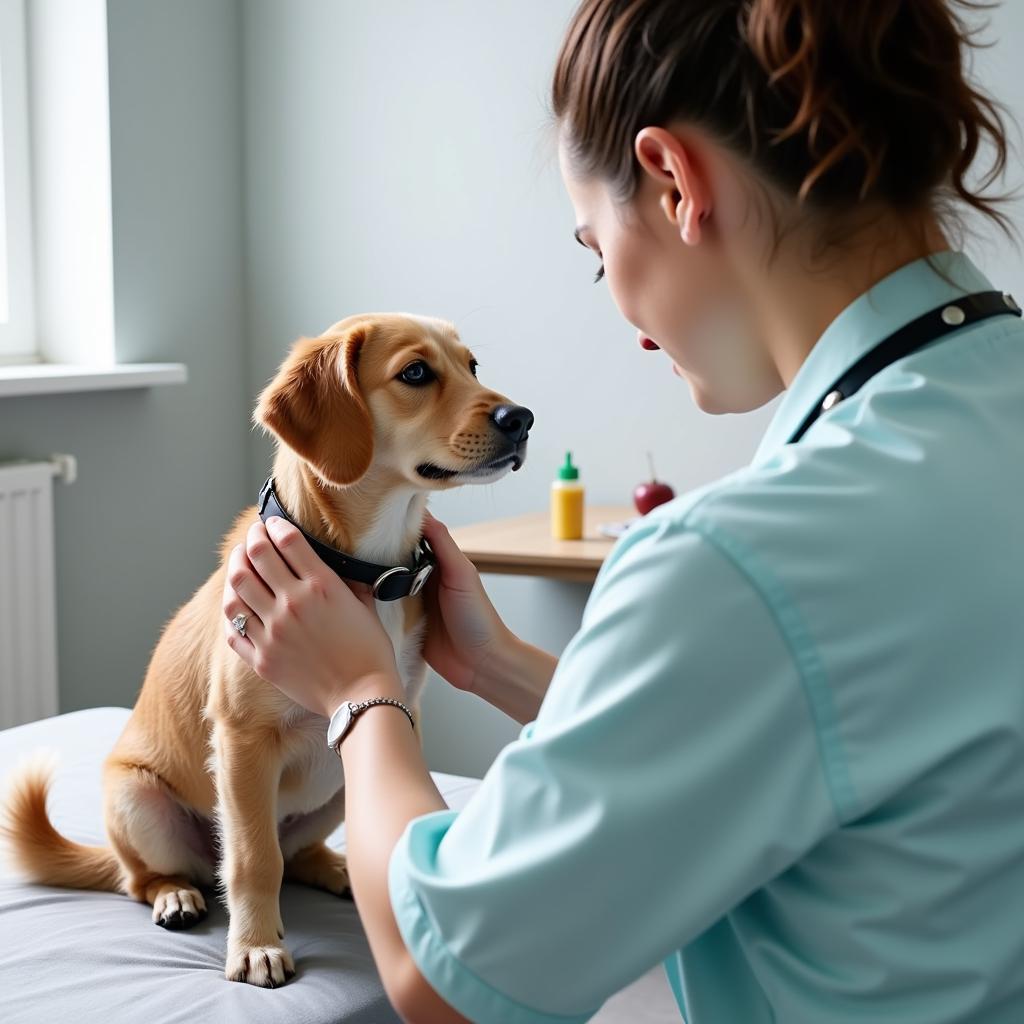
248, 584
273, 569
365, 594
436, 532
234, 606
457, 569
294, 549
242, 646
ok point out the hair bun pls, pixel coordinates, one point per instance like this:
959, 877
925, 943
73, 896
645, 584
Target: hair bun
835, 102
875, 99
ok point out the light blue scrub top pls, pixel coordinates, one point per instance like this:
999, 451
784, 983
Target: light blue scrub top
785, 752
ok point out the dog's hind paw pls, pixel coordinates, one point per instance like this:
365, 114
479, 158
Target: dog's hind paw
265, 966
320, 867
176, 907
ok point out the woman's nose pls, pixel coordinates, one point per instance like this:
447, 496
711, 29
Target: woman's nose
514, 421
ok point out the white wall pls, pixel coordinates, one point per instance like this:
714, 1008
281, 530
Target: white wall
998, 69
162, 472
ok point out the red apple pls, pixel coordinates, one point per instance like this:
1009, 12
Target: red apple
652, 494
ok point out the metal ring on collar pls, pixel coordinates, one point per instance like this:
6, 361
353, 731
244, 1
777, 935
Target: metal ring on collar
384, 576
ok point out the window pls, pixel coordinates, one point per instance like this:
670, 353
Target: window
17, 313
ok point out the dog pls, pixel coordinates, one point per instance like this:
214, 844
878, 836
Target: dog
369, 418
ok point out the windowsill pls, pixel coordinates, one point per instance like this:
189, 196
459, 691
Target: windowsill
65, 378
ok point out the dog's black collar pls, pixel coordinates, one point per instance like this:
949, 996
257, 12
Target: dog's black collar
389, 583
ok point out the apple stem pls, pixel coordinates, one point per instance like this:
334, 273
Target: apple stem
650, 462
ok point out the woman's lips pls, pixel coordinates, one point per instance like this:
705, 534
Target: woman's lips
648, 343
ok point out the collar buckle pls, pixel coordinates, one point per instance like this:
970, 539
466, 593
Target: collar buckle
421, 577
388, 574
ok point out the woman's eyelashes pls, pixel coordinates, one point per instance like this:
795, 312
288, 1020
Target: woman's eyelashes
589, 243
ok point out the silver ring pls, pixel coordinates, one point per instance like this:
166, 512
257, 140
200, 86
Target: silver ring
239, 622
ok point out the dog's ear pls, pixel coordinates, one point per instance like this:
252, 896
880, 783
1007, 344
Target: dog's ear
315, 407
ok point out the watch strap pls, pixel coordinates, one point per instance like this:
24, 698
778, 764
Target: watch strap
337, 730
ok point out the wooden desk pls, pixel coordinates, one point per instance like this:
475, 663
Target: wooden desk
523, 546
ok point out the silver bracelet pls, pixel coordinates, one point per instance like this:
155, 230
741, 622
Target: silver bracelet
343, 719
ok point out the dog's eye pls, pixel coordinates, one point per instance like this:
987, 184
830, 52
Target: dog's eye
472, 366
417, 374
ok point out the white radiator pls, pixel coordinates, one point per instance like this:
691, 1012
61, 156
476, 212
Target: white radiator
28, 618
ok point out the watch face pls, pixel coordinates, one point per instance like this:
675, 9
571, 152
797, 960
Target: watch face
340, 722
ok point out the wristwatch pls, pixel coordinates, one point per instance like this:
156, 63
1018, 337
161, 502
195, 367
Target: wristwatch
343, 719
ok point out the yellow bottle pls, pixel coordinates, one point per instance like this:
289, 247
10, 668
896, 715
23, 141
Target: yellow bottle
567, 503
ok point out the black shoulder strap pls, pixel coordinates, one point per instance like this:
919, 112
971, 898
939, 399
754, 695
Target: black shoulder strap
932, 326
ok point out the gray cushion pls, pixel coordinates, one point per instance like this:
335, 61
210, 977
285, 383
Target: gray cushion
84, 957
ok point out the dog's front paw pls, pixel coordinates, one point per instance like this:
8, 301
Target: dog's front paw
265, 966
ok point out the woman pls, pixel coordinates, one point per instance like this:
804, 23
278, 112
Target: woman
785, 752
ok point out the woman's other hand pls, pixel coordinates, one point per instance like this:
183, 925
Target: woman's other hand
464, 633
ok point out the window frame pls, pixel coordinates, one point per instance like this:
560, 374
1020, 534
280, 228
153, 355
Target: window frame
18, 340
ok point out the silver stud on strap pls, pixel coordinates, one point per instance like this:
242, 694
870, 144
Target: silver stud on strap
831, 399
1011, 302
954, 316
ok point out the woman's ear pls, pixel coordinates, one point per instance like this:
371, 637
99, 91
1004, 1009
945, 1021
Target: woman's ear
685, 198
315, 407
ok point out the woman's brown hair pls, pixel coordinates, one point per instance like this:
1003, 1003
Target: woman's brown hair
835, 102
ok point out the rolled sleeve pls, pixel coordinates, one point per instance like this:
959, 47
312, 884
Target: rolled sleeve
410, 872
672, 769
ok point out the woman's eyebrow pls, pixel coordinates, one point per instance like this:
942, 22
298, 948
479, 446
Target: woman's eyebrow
578, 235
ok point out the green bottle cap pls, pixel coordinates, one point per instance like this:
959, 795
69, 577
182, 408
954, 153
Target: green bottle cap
568, 471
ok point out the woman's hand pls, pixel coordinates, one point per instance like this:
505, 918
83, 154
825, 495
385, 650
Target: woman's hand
464, 631
468, 644
318, 641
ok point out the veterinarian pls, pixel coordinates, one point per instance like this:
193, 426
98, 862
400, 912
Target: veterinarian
784, 754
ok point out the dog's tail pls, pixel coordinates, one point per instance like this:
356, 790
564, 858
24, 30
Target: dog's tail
38, 850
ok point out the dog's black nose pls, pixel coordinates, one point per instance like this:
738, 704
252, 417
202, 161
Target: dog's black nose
514, 421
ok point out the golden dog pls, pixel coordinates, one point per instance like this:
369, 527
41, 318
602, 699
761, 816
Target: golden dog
369, 418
